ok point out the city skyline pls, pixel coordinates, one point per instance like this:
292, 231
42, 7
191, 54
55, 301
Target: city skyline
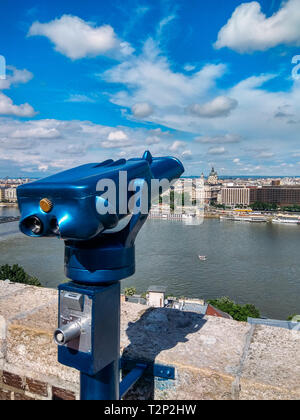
87, 82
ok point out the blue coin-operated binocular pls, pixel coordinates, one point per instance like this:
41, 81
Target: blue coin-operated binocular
98, 210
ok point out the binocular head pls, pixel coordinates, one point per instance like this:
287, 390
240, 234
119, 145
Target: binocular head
81, 203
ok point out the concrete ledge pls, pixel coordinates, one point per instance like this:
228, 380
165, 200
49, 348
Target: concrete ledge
214, 358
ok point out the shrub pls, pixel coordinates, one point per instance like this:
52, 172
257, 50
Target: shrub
16, 274
238, 312
294, 318
130, 291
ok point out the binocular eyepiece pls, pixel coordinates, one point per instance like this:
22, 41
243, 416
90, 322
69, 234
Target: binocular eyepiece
81, 203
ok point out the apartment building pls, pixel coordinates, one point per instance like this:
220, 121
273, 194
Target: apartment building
231, 196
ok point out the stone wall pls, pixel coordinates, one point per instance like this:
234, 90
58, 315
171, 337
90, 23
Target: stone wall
214, 358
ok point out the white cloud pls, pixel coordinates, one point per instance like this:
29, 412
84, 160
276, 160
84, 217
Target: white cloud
7, 107
189, 67
163, 23
77, 39
249, 29
79, 98
227, 138
117, 135
217, 151
152, 140
241, 116
117, 139
37, 133
142, 110
53, 145
218, 107
266, 155
159, 132
43, 168
15, 76
150, 79
187, 154
176, 145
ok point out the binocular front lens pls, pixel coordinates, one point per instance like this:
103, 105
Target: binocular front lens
34, 224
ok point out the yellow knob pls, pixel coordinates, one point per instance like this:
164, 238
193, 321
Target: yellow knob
46, 205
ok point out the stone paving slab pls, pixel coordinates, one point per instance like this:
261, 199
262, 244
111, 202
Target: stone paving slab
273, 360
186, 338
24, 301
254, 391
9, 289
190, 384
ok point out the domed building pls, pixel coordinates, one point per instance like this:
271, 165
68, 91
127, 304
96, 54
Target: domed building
213, 178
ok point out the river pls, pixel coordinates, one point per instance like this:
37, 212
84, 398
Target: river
250, 263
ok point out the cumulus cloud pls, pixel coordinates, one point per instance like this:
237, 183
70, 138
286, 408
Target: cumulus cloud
218, 107
37, 133
187, 154
189, 67
117, 139
250, 30
117, 135
7, 107
176, 145
43, 167
152, 140
15, 76
60, 145
217, 151
142, 110
77, 39
283, 112
149, 78
227, 138
266, 155
242, 113
73, 150
79, 98
159, 132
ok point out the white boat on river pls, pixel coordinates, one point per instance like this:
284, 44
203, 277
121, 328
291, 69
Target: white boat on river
286, 219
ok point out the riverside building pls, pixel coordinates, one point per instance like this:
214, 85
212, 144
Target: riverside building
280, 195
231, 196
11, 195
272, 194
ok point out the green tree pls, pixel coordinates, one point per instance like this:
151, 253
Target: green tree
130, 291
238, 312
293, 209
260, 206
17, 274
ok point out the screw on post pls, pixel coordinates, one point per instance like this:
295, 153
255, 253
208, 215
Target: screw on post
99, 252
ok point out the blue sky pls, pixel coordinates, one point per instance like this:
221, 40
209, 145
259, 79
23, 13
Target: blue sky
212, 83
